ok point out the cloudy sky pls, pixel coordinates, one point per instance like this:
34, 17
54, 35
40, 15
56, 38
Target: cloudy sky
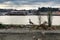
28, 4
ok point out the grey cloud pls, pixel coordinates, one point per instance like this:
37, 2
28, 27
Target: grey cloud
28, 2
17, 3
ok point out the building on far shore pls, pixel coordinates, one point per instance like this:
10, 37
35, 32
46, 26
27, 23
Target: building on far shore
42, 11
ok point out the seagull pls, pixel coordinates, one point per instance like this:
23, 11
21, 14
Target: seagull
30, 21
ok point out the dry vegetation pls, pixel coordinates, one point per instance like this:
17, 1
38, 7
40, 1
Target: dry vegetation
35, 27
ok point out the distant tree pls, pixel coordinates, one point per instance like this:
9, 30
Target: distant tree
38, 11
29, 11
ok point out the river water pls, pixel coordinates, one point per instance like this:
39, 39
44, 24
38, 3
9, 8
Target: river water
25, 19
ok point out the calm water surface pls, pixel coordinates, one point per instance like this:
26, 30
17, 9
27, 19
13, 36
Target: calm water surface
25, 19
